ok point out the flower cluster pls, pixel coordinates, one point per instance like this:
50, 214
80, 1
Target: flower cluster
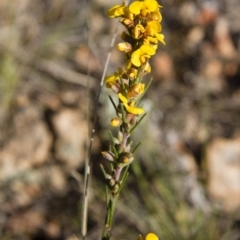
140, 41
142, 20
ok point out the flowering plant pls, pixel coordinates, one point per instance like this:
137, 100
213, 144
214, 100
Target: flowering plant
142, 20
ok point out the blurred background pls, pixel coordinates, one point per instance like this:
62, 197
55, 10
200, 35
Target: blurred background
185, 182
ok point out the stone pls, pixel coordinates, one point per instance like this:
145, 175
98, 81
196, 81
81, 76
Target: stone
27, 148
71, 131
223, 165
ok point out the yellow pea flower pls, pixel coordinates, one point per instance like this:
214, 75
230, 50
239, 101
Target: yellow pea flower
117, 10
160, 38
136, 90
153, 28
113, 79
146, 68
138, 31
132, 73
124, 47
156, 16
115, 122
151, 236
110, 81
130, 106
141, 55
152, 41
146, 6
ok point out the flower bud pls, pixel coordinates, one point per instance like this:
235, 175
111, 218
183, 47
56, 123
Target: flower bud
132, 72
151, 236
138, 31
146, 68
120, 135
111, 182
124, 47
115, 188
127, 22
125, 159
108, 156
136, 90
115, 122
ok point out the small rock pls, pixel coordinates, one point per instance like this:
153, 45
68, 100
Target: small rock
194, 37
223, 40
27, 148
223, 164
163, 66
71, 131
212, 72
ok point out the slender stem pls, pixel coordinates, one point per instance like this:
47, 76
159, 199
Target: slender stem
109, 218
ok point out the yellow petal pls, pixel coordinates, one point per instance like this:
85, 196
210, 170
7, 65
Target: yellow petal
139, 88
153, 27
120, 11
134, 110
112, 10
130, 107
160, 38
122, 98
146, 49
147, 67
156, 16
152, 5
150, 40
124, 47
132, 73
115, 122
138, 31
151, 236
135, 7
135, 58
110, 80
136, 90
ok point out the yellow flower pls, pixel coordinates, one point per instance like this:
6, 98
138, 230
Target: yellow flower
146, 68
110, 81
141, 55
151, 236
151, 41
117, 10
156, 16
136, 90
124, 47
132, 73
160, 38
115, 122
146, 6
113, 79
130, 107
138, 31
153, 28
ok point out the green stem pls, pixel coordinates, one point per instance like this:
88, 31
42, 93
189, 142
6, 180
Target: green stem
109, 218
